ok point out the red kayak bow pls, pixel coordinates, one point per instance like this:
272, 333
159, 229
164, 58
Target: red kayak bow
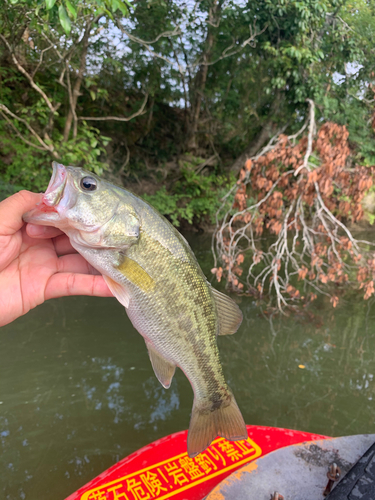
163, 470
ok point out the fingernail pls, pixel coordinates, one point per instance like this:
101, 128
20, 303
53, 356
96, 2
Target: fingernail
34, 230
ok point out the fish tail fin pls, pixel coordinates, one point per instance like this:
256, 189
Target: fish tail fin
205, 425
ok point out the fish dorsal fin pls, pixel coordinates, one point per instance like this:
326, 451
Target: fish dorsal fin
164, 370
230, 315
118, 291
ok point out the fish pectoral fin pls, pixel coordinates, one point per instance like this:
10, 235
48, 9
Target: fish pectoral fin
136, 274
225, 421
164, 370
230, 315
118, 291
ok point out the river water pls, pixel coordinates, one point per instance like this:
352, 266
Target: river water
77, 391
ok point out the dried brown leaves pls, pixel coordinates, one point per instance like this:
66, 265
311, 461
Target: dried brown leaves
304, 195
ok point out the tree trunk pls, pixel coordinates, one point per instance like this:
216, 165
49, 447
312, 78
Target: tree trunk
200, 80
73, 96
266, 132
264, 135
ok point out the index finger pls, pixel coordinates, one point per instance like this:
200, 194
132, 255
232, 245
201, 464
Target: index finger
12, 209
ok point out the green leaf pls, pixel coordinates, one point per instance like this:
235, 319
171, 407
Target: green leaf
50, 4
102, 11
105, 140
64, 20
115, 4
71, 9
123, 8
13, 2
93, 95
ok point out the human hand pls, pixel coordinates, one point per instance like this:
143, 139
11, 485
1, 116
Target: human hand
38, 263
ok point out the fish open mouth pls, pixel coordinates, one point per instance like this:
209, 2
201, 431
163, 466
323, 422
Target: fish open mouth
56, 185
46, 212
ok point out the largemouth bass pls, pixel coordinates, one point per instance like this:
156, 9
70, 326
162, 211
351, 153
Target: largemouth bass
150, 268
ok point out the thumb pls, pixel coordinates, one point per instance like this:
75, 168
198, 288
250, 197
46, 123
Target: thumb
12, 209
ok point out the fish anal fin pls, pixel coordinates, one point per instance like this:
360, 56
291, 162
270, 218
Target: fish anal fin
118, 291
164, 369
205, 425
230, 315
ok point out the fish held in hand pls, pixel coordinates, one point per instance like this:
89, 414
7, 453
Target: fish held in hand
150, 268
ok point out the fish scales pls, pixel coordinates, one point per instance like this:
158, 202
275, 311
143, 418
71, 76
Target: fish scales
152, 271
191, 318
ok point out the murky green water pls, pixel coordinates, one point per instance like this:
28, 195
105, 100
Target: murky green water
78, 393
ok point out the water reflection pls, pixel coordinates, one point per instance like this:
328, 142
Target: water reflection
77, 391
313, 378
162, 402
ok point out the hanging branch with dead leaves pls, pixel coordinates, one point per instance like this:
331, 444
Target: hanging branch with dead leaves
301, 190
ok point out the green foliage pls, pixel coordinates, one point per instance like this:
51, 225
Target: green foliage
371, 218
167, 204
66, 10
306, 49
64, 19
194, 197
18, 174
85, 150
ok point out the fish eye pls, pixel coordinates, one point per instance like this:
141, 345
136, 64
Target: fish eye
88, 184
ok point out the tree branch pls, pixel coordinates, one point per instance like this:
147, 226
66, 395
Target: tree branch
117, 118
40, 60
224, 54
146, 44
43, 147
29, 77
202, 62
312, 130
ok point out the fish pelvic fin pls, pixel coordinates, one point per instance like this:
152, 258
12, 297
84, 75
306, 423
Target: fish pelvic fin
164, 369
230, 315
205, 425
118, 291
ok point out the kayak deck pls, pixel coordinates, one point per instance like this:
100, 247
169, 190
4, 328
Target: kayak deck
300, 471
359, 482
